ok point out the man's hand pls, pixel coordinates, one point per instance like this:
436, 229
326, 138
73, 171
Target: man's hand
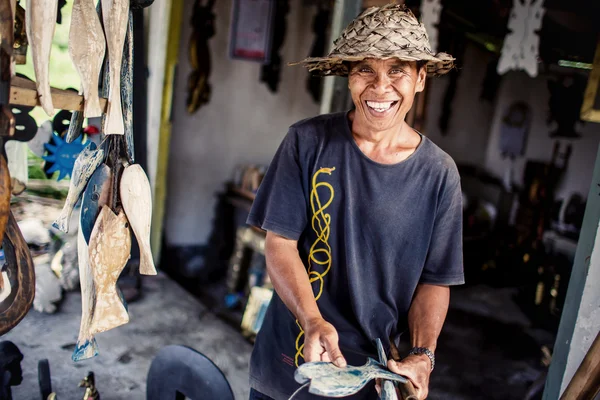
417, 369
321, 343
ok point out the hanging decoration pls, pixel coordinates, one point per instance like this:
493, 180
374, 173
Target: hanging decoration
271, 72
203, 28
62, 155
514, 129
566, 98
521, 46
430, 16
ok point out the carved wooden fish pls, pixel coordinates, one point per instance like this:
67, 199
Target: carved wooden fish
136, 197
40, 16
330, 381
94, 197
109, 250
115, 15
86, 48
85, 165
127, 89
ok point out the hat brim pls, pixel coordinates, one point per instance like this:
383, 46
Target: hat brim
336, 64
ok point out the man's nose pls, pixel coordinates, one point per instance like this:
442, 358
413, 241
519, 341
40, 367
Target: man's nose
381, 82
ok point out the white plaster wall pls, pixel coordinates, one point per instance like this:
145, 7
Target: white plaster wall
243, 123
588, 318
467, 136
534, 91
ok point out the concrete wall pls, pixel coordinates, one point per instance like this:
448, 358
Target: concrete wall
519, 86
243, 123
468, 131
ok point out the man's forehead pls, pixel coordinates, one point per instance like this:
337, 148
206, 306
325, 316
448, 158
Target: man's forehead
388, 62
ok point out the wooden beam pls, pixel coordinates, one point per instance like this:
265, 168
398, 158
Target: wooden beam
24, 93
585, 385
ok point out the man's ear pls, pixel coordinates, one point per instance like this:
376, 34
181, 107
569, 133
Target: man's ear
421, 77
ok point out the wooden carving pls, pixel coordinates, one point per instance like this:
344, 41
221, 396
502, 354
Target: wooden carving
87, 47
127, 90
5, 193
85, 165
330, 381
95, 196
40, 18
20, 277
136, 197
109, 250
115, 15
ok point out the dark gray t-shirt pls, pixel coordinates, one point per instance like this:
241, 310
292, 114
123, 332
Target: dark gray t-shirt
367, 233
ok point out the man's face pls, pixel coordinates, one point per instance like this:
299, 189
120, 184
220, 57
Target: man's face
383, 90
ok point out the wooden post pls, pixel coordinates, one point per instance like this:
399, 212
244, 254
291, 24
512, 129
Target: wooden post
160, 183
579, 323
585, 385
335, 89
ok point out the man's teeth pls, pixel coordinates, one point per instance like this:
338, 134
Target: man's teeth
380, 106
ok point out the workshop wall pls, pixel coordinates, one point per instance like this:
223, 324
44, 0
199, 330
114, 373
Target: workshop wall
243, 123
470, 120
534, 91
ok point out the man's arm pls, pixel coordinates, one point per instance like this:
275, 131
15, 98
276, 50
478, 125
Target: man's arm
425, 320
291, 283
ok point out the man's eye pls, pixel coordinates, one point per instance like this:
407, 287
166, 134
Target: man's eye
365, 70
396, 71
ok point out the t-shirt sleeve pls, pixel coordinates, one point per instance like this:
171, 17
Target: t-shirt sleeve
280, 204
444, 263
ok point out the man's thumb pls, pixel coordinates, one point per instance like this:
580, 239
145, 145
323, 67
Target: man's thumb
331, 345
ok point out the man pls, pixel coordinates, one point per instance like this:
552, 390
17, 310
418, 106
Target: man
363, 217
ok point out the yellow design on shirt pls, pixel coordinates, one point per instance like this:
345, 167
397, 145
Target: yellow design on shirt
320, 251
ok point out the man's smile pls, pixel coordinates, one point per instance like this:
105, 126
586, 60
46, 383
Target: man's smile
380, 107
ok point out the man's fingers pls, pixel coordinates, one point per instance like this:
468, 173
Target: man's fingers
409, 373
312, 351
325, 357
330, 343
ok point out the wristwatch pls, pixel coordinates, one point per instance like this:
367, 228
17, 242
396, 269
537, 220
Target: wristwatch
426, 351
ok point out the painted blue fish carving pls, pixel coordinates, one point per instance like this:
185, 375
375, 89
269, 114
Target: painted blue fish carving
330, 381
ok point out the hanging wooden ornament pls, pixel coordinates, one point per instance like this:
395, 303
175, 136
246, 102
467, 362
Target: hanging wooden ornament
521, 46
203, 28
86, 163
430, 16
40, 24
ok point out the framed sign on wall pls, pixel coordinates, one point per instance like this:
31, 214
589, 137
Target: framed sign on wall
250, 34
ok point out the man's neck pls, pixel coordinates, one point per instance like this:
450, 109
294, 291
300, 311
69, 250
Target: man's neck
385, 146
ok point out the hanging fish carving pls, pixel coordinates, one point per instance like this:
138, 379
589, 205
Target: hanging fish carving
96, 195
109, 250
40, 16
86, 48
136, 198
85, 165
115, 14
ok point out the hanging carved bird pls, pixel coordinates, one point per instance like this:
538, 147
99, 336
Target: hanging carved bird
203, 28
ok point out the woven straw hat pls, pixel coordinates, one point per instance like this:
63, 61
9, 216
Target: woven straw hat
381, 32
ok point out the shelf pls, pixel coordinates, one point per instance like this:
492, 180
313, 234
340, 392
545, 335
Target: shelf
23, 93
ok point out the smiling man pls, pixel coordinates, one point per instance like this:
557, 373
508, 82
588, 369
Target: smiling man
363, 217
